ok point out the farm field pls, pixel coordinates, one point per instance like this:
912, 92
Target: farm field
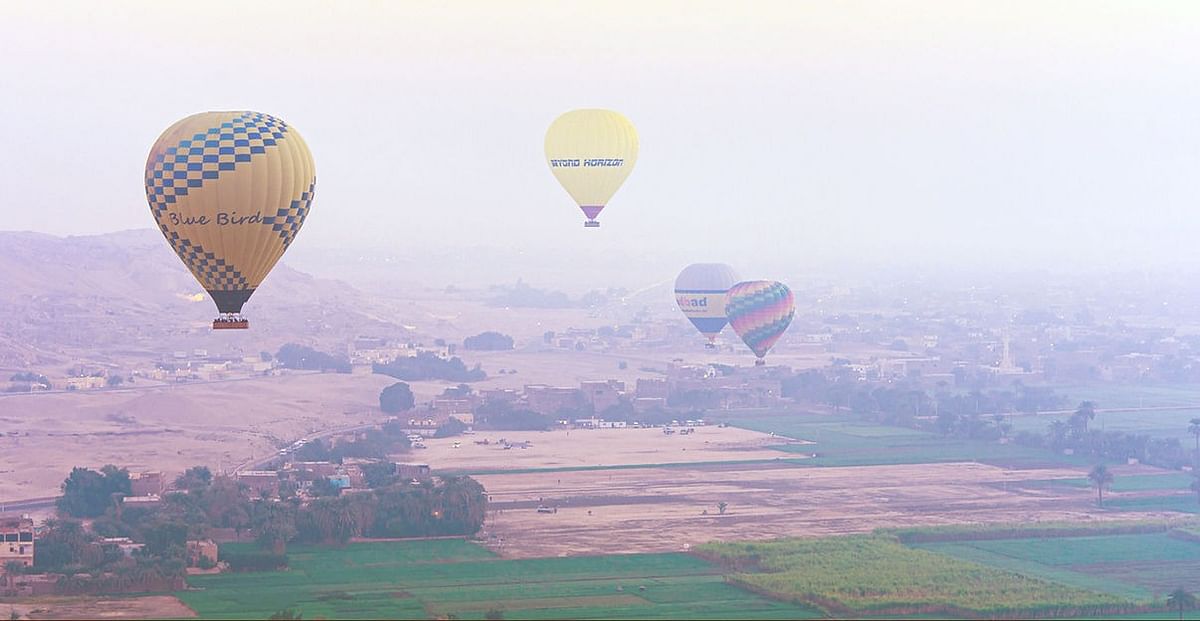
1170, 481
1141, 567
671, 509
427, 579
1107, 395
1156, 423
596, 448
862, 574
837, 441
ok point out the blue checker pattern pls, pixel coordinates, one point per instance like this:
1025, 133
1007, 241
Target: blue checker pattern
204, 156
214, 273
287, 221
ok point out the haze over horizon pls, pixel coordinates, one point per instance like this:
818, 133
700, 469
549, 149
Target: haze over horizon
802, 137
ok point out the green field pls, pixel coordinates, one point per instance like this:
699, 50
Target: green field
1154, 423
1132, 483
862, 574
424, 579
1184, 503
1160, 424
1130, 395
841, 442
1140, 567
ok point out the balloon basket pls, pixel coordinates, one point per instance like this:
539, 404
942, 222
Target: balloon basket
591, 224
222, 323
710, 346
760, 363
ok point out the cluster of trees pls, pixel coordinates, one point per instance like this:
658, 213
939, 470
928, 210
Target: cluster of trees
500, 415
87, 493
488, 341
88, 567
428, 366
1075, 434
369, 444
394, 508
396, 398
521, 295
453, 506
903, 402
25, 381
452, 427
300, 357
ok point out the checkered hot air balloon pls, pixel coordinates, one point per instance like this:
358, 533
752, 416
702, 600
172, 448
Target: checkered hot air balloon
591, 152
230, 191
760, 312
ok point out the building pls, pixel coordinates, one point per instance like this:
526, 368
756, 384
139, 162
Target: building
149, 500
602, 394
260, 481
413, 471
653, 388
200, 549
124, 545
147, 483
548, 400
16, 541
642, 405
85, 383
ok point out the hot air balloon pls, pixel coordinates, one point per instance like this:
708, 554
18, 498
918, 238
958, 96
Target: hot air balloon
700, 292
591, 152
760, 312
230, 190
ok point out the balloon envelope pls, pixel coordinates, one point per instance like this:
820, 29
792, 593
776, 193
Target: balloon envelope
700, 293
230, 190
760, 312
591, 152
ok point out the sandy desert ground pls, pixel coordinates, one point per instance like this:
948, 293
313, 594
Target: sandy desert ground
597, 447
170, 428
147, 607
671, 509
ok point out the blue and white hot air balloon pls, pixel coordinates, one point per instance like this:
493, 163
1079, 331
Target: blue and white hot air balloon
700, 292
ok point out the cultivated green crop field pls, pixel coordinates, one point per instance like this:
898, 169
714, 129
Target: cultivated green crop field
862, 574
1138, 567
1126, 483
425, 579
1160, 424
1130, 395
840, 442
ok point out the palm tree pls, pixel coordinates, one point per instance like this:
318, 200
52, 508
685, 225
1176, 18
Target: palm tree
1101, 478
1194, 429
1181, 600
1083, 414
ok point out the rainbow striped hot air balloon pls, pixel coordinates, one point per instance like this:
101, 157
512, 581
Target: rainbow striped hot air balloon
760, 312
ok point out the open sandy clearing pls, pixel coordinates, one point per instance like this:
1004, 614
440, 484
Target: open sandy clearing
146, 607
663, 509
597, 447
171, 428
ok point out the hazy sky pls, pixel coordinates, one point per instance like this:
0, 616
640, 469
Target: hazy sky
775, 134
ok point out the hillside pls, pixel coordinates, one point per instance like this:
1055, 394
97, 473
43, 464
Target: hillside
106, 298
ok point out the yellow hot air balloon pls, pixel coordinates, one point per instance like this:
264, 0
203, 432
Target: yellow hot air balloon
591, 152
230, 190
